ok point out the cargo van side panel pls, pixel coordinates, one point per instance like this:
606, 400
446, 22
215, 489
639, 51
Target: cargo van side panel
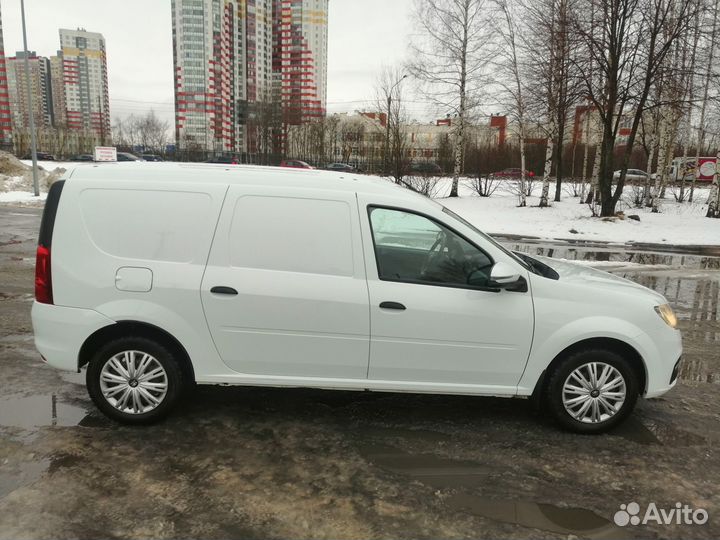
162, 232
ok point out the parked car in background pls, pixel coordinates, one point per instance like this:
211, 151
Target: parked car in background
512, 173
42, 156
251, 277
341, 167
425, 167
127, 156
152, 157
83, 157
632, 175
295, 164
223, 160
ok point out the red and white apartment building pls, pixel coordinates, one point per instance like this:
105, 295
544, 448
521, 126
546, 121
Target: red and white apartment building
69, 91
5, 115
85, 82
237, 59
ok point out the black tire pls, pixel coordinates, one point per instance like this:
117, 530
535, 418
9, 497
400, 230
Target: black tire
556, 382
163, 356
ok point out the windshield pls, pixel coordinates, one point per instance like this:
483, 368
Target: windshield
488, 238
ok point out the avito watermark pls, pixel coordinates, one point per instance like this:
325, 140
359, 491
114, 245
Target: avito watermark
680, 514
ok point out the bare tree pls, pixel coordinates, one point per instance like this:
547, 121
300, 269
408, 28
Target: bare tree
689, 104
450, 54
552, 48
703, 106
512, 82
264, 128
390, 100
637, 36
147, 131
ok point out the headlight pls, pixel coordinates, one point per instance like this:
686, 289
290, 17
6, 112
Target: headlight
667, 315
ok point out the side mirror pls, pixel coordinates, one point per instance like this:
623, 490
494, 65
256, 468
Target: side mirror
504, 276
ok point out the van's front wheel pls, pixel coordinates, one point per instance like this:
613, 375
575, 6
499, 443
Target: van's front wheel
592, 391
134, 380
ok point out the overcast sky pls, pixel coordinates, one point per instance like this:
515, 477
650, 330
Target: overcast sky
363, 35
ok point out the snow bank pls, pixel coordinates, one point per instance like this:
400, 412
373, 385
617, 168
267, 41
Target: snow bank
51, 166
22, 197
16, 180
676, 224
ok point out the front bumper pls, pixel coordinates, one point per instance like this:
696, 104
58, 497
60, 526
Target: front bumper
663, 367
61, 331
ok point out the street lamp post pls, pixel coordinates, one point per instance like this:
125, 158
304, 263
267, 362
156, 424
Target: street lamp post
386, 163
31, 117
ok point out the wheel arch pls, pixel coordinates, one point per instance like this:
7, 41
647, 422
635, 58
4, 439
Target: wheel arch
612, 344
126, 328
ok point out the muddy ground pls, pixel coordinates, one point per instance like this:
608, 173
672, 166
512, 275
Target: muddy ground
252, 462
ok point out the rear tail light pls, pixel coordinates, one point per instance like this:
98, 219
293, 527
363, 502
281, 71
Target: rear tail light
43, 278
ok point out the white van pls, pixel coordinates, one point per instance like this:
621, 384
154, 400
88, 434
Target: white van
154, 275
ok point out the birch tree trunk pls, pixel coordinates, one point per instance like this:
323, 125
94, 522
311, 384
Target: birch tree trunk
670, 152
663, 127
523, 179
462, 80
548, 166
686, 143
584, 176
647, 199
595, 176
459, 146
518, 97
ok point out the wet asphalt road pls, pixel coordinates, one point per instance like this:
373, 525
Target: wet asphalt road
253, 462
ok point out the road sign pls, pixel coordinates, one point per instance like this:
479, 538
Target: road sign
707, 168
105, 153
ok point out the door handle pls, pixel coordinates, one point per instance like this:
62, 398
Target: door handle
392, 305
223, 290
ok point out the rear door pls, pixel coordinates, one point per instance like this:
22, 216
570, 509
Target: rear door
284, 291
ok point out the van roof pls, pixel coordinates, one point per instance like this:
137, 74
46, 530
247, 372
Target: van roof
236, 174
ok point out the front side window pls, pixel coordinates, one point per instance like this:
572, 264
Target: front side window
415, 249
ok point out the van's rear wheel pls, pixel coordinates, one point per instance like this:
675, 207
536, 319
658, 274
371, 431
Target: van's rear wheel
592, 391
134, 380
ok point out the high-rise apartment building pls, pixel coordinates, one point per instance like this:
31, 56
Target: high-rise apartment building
236, 59
85, 82
57, 83
41, 94
300, 57
5, 117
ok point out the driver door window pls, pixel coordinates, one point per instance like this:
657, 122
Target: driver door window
415, 249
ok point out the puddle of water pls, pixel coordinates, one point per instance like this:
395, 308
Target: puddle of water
444, 473
22, 475
426, 468
17, 475
412, 434
634, 430
37, 411
546, 517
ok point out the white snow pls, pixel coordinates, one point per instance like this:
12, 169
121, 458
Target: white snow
50, 166
676, 224
23, 197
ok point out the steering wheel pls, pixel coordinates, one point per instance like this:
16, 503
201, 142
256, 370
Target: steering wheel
443, 241
435, 250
